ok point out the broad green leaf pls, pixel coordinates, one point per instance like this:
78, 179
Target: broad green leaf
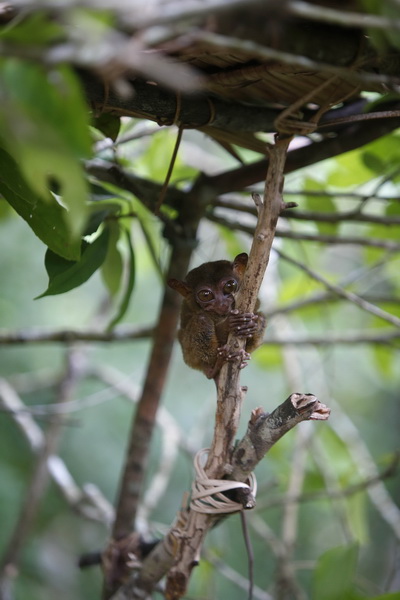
45, 217
334, 574
45, 123
52, 98
67, 172
65, 275
350, 168
99, 210
5, 209
373, 162
112, 267
129, 286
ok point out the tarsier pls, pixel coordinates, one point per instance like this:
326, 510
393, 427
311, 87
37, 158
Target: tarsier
208, 315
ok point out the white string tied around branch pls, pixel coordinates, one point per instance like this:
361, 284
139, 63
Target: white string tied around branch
208, 495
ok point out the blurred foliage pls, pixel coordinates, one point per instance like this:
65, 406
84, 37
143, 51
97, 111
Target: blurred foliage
100, 255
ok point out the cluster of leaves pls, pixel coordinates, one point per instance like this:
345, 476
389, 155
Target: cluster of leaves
45, 136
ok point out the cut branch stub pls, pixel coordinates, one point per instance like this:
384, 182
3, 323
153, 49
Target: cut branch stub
265, 429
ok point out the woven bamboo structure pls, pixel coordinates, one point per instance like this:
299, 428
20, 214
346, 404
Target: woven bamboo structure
292, 67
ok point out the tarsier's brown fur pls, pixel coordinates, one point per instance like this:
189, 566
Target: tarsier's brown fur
208, 315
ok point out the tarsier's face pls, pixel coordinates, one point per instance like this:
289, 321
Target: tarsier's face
219, 297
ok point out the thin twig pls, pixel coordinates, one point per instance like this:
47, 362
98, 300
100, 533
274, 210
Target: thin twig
360, 302
355, 216
342, 195
325, 298
331, 338
337, 493
309, 237
66, 336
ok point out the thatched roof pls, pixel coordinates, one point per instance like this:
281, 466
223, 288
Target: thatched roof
247, 67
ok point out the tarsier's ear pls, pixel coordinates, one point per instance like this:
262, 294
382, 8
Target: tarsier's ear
180, 286
240, 262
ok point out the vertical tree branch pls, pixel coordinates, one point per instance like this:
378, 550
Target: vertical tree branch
144, 420
230, 394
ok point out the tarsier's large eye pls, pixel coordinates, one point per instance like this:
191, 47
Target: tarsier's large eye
205, 295
230, 287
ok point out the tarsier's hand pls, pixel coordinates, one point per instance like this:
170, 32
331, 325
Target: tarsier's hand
242, 324
226, 354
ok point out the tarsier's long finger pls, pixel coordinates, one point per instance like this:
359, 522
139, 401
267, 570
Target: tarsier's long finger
239, 318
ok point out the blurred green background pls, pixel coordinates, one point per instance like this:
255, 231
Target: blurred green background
318, 461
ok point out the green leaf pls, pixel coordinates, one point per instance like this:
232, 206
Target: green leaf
334, 574
65, 275
108, 124
46, 217
45, 123
373, 162
99, 210
129, 286
112, 267
351, 169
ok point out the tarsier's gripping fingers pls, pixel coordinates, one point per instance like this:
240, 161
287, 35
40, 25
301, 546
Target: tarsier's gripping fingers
228, 355
243, 324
